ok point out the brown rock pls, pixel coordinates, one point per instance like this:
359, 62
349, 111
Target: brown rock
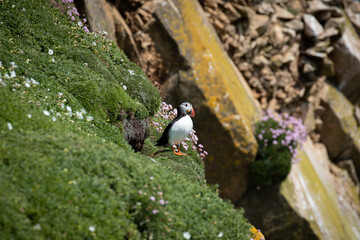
277, 37
295, 24
258, 24
99, 15
231, 12
282, 13
323, 11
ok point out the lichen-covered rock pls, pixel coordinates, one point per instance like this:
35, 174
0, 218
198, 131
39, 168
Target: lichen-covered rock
339, 131
203, 74
316, 194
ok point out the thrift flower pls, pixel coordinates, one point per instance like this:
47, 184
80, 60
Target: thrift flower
152, 198
155, 211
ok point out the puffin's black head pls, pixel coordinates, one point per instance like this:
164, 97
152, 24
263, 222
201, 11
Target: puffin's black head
186, 109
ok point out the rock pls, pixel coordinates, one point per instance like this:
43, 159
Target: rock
348, 166
265, 8
267, 206
204, 74
326, 200
261, 61
312, 27
346, 58
323, 11
295, 24
282, 13
258, 24
309, 68
329, 32
313, 53
124, 38
277, 37
339, 132
338, 23
231, 12
99, 17
353, 12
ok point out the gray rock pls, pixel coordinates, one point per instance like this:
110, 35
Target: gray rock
313, 28
346, 57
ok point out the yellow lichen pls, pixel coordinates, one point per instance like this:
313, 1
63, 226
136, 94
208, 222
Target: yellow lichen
256, 234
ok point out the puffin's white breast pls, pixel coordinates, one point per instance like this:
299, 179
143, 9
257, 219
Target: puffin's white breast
180, 130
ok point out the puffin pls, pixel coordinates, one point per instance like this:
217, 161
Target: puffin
179, 128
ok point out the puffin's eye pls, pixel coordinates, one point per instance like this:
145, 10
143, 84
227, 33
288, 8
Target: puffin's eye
186, 105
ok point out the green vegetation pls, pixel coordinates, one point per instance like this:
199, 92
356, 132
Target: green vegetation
279, 138
66, 171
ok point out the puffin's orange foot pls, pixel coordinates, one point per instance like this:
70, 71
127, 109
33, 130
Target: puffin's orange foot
178, 152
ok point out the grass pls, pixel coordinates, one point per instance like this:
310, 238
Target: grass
66, 171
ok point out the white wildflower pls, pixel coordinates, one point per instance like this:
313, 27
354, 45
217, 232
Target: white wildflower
27, 85
79, 115
51, 52
220, 234
53, 60
54, 119
13, 64
33, 81
92, 229
83, 111
37, 226
89, 118
68, 108
29, 115
186, 235
12, 74
131, 72
46, 113
80, 24
10, 127
0, 64
124, 87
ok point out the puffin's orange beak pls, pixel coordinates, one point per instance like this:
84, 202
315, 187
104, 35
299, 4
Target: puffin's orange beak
192, 113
